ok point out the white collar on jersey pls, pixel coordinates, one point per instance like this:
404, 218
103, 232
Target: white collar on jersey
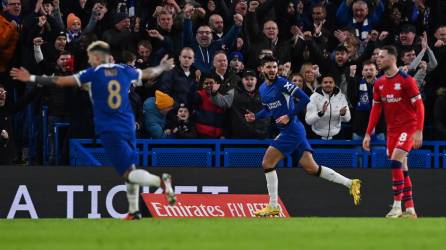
108, 65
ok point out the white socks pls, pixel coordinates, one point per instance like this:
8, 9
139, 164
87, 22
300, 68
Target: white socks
331, 175
144, 178
132, 197
396, 204
272, 183
136, 178
410, 210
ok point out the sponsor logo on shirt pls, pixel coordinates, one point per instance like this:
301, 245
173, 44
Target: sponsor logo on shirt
391, 99
274, 105
397, 86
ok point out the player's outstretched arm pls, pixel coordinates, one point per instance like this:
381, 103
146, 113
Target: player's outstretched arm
22, 74
166, 64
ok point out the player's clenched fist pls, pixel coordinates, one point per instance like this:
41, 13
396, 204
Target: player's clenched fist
250, 116
238, 20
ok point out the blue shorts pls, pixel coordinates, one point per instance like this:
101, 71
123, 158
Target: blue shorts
291, 144
120, 149
292, 140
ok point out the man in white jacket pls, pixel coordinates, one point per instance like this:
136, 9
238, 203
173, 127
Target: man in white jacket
328, 107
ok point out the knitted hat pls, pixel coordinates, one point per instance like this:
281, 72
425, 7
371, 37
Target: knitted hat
118, 17
163, 101
70, 20
236, 54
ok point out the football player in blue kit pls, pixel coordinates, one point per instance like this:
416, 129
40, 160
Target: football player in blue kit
114, 121
277, 96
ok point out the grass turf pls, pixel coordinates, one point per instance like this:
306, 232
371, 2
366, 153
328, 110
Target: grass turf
228, 234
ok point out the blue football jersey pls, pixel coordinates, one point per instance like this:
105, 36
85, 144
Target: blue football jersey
109, 91
278, 99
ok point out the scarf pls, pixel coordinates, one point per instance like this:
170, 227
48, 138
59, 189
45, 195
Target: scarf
10, 17
364, 103
362, 29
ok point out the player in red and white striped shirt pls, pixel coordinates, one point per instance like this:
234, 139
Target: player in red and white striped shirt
397, 93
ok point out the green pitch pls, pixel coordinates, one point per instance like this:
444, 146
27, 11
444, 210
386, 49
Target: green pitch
227, 234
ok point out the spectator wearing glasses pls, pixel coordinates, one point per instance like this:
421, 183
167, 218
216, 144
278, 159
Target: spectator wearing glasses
204, 46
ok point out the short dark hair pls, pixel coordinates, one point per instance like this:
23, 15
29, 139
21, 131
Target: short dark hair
406, 50
368, 62
205, 76
341, 48
268, 58
329, 75
391, 50
319, 5
128, 56
64, 53
103, 2
203, 25
440, 26
295, 74
145, 44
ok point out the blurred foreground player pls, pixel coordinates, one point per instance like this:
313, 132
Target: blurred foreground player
113, 116
277, 95
397, 93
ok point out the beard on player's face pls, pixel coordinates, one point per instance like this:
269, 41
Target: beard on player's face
271, 75
384, 66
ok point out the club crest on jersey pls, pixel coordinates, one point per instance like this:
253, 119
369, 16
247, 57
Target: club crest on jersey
397, 86
381, 87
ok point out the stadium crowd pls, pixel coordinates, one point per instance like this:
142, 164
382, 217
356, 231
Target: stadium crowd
328, 48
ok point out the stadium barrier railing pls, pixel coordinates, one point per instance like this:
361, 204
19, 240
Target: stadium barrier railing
249, 153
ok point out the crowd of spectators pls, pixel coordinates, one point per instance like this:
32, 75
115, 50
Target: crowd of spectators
328, 48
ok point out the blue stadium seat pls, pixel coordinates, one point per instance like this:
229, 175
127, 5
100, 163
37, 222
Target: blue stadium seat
80, 156
379, 159
100, 156
420, 158
245, 157
182, 157
344, 158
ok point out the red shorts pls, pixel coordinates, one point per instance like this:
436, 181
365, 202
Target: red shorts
401, 139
